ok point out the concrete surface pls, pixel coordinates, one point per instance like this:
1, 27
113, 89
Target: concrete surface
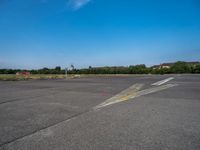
59, 114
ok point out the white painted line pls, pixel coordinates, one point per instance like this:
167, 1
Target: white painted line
163, 81
137, 93
155, 89
122, 96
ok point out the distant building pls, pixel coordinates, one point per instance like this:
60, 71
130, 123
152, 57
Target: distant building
168, 65
164, 65
23, 73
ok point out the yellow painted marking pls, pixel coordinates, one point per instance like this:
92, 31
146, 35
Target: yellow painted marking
122, 96
132, 92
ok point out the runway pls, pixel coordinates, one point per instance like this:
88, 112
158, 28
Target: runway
115, 112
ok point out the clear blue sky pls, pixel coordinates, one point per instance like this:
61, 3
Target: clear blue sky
47, 33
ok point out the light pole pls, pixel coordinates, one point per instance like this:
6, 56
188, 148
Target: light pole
66, 69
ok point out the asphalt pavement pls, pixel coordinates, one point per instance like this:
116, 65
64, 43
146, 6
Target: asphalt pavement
139, 112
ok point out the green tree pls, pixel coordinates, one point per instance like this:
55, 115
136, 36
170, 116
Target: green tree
138, 69
180, 67
197, 69
58, 68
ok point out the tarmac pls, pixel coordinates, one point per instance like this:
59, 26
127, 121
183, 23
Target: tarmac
142, 112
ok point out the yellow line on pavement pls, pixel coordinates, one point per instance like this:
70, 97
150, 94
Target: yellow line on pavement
132, 92
122, 96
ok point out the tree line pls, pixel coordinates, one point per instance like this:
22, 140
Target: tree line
178, 67
56, 70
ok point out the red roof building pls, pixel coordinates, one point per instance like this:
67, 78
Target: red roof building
23, 73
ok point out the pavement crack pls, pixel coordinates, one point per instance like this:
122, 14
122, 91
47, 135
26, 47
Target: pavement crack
44, 128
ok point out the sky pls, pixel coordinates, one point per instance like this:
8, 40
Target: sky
48, 33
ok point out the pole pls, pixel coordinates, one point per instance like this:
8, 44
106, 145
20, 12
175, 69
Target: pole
66, 72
